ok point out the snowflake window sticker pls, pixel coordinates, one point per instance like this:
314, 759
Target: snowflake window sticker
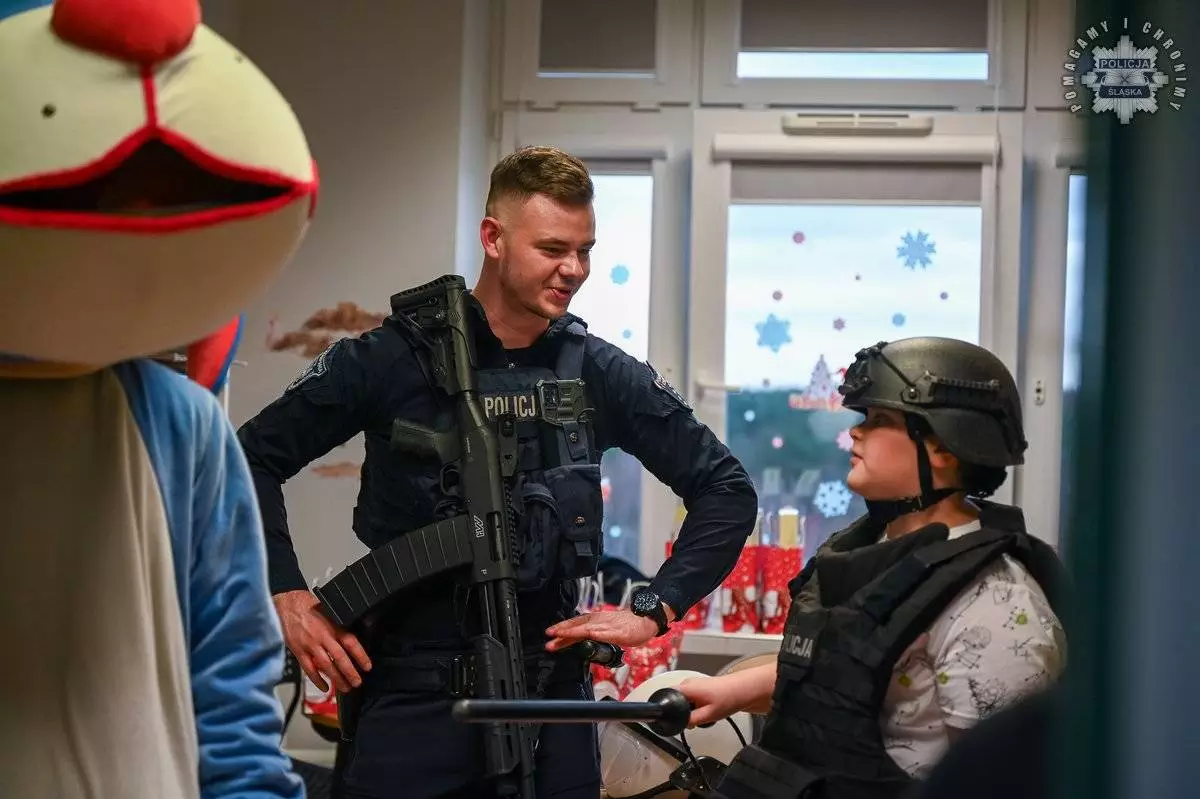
773, 333
915, 250
833, 499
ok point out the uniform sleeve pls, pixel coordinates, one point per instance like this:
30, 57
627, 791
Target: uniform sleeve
996, 644
331, 401
236, 643
647, 418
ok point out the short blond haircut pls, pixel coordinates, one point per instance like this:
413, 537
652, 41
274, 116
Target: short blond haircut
540, 170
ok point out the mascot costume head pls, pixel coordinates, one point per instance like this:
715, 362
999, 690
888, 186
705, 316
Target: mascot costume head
153, 182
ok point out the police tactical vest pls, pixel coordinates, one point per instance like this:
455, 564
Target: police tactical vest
556, 497
861, 604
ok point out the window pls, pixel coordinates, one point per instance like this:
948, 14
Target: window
864, 40
620, 39
856, 53
862, 65
1072, 334
615, 303
807, 286
582, 51
808, 248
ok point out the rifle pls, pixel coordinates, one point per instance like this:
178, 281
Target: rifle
483, 538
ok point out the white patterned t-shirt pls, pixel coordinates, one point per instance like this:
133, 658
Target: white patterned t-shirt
997, 642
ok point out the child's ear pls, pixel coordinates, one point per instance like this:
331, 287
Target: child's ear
939, 457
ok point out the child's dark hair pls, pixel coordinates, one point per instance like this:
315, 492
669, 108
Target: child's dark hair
981, 481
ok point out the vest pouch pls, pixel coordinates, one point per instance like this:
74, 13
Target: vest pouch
576, 489
537, 536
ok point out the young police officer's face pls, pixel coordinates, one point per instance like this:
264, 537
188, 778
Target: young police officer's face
543, 252
883, 460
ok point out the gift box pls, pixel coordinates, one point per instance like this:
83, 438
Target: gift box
653, 657
740, 591
779, 564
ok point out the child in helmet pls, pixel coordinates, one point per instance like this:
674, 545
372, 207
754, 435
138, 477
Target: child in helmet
923, 617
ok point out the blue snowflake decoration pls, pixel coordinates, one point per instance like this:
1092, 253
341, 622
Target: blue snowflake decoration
898, 320
627, 334
916, 250
620, 274
773, 333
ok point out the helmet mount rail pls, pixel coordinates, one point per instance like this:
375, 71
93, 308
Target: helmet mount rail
666, 712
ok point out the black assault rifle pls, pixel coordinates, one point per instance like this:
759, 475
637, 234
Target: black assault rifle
482, 538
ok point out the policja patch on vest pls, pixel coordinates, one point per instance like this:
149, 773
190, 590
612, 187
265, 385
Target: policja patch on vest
521, 404
663, 385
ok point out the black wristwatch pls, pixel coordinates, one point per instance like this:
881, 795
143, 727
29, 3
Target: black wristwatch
648, 604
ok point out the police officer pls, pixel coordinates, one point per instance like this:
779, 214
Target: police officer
921, 618
537, 235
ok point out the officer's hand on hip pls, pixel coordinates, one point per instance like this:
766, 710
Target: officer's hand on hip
620, 627
321, 647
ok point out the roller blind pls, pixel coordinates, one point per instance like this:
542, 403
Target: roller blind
615, 166
949, 183
957, 25
593, 36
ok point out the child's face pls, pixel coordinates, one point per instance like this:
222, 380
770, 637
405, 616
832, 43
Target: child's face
883, 460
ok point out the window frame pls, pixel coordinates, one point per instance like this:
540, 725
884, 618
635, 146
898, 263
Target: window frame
673, 81
1051, 34
1055, 149
720, 84
973, 138
662, 140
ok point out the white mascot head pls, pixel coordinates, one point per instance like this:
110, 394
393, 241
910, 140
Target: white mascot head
153, 181
634, 761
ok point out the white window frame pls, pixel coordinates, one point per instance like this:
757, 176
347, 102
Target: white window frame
724, 136
673, 81
662, 139
1005, 85
1055, 150
1051, 35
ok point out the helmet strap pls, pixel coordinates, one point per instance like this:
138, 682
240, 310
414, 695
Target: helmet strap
886, 511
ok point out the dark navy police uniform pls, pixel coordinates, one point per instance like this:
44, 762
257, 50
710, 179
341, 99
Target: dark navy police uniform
405, 743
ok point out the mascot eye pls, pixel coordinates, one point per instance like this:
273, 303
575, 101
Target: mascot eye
154, 181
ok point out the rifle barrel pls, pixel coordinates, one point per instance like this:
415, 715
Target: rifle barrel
666, 710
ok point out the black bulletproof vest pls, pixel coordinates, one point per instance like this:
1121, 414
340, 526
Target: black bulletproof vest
862, 605
556, 497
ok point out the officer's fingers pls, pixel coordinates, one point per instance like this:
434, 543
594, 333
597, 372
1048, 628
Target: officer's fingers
323, 662
307, 666
342, 661
570, 626
350, 643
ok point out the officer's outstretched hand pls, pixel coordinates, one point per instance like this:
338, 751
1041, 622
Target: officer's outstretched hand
618, 627
321, 647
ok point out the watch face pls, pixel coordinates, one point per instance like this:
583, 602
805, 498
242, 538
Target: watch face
644, 602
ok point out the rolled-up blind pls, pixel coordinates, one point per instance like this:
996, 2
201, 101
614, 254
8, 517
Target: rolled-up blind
807, 182
953, 25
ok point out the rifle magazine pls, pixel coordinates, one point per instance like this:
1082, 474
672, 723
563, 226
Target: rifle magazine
408, 559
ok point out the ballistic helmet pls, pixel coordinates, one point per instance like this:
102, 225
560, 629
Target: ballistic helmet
636, 761
954, 390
